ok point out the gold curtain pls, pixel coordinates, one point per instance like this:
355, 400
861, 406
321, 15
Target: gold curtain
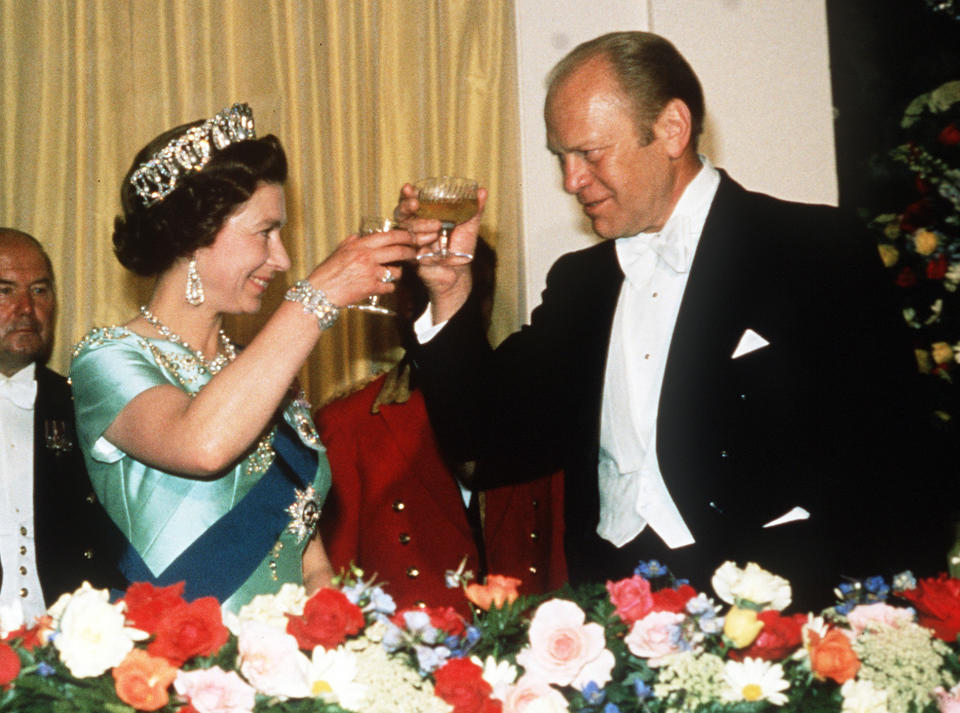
364, 95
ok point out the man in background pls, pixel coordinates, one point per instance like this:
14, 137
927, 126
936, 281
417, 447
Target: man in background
52, 529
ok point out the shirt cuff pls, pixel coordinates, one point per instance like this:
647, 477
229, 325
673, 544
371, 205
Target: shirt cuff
425, 329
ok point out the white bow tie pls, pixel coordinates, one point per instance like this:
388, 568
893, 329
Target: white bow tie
19, 389
672, 244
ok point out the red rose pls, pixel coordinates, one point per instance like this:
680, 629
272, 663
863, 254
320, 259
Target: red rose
937, 268
33, 637
188, 630
9, 664
673, 600
631, 597
460, 683
779, 637
906, 278
937, 601
915, 216
447, 620
444, 618
950, 136
147, 604
328, 619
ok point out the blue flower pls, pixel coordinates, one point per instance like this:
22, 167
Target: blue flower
354, 592
877, 586
430, 658
461, 647
45, 669
593, 694
382, 602
650, 569
904, 581
846, 588
642, 690
844, 608
611, 708
393, 638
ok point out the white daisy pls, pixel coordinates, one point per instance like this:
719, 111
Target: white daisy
499, 674
333, 677
754, 680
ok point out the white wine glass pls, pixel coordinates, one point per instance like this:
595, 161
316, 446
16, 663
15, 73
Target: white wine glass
450, 200
370, 224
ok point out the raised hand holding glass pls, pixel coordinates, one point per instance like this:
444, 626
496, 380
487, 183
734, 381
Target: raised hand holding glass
369, 225
452, 201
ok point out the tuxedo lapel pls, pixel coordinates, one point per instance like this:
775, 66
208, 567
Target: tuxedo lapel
710, 322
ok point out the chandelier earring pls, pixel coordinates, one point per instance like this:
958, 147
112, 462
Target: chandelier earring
194, 293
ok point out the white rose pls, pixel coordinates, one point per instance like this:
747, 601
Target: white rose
862, 697
273, 608
752, 584
92, 635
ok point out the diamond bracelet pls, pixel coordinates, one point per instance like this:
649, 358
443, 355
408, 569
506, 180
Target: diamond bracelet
314, 302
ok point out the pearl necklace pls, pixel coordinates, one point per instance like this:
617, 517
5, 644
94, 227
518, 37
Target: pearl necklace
215, 364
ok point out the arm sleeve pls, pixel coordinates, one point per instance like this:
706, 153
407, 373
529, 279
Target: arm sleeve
105, 378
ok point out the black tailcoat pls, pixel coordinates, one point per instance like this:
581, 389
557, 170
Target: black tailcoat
75, 539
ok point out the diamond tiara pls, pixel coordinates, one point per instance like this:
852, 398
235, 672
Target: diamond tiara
155, 179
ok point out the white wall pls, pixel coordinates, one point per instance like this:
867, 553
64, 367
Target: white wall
765, 73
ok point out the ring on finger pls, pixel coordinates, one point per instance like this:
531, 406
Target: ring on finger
387, 276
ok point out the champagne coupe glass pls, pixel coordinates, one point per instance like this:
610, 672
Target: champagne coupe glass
451, 201
370, 224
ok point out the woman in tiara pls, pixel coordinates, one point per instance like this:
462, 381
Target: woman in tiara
204, 454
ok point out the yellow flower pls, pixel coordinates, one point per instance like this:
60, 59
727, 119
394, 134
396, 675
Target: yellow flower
942, 353
741, 626
925, 241
888, 254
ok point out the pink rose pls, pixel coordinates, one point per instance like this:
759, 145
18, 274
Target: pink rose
213, 690
948, 701
271, 660
862, 616
631, 597
563, 649
529, 690
654, 636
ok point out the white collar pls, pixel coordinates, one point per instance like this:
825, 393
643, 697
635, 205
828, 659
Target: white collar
21, 387
677, 242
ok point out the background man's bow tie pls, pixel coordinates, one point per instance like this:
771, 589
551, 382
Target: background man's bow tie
20, 389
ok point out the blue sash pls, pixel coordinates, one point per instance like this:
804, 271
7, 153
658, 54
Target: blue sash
219, 561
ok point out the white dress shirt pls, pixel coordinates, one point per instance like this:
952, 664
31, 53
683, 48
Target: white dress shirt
17, 537
656, 265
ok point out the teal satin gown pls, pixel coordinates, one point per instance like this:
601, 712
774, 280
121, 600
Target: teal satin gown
161, 514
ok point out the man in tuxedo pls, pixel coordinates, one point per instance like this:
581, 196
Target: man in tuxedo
723, 378
52, 529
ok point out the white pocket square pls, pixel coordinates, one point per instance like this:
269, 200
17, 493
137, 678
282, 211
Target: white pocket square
795, 514
750, 341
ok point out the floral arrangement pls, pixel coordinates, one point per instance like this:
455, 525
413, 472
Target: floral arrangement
920, 242
649, 643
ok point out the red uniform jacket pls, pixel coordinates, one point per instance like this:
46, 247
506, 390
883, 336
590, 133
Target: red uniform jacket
396, 511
